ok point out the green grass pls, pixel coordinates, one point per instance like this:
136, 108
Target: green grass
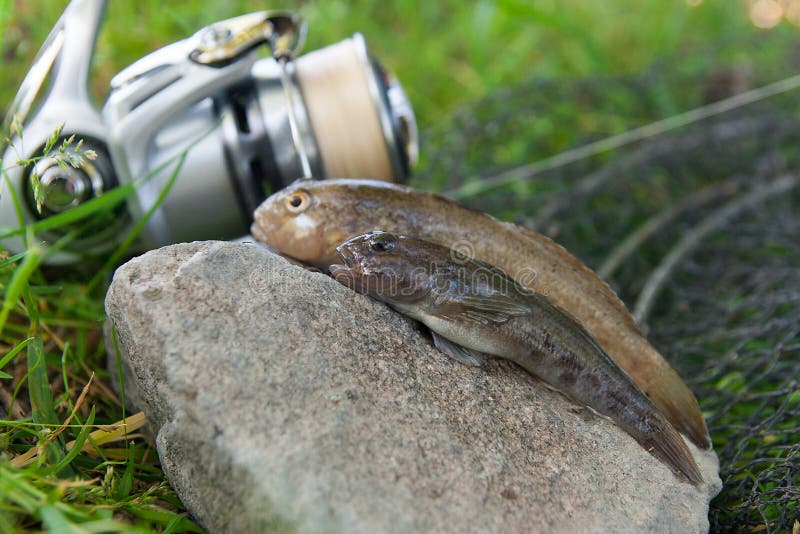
448, 54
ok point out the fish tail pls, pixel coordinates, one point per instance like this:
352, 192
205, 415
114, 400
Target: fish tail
677, 402
666, 444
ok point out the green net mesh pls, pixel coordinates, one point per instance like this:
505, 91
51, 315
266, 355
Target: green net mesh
697, 228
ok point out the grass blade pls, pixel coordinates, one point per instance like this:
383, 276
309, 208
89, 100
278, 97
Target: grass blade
41, 399
17, 490
75, 449
17, 209
105, 434
55, 521
118, 362
126, 483
106, 202
12, 259
13, 352
18, 283
161, 515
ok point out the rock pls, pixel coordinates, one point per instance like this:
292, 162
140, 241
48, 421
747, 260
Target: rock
284, 401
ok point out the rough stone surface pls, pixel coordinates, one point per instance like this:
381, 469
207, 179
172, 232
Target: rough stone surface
284, 401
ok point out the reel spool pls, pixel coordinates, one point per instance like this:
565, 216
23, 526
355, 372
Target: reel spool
347, 99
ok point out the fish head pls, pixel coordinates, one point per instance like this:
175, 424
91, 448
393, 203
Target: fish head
293, 221
392, 268
310, 218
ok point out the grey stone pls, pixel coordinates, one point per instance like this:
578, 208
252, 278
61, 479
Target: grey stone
282, 401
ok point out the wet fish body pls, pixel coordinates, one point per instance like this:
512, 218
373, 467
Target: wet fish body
474, 309
310, 218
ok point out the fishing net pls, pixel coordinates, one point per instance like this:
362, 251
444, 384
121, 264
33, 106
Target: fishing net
696, 223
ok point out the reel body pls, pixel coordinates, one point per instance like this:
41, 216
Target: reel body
242, 126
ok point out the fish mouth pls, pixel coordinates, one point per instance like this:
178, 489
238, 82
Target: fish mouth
347, 255
351, 272
345, 275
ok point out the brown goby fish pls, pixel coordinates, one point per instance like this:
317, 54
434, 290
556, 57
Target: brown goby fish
474, 309
308, 219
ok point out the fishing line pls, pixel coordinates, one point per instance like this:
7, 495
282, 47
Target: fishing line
478, 185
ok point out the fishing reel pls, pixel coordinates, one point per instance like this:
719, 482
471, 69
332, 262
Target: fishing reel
202, 130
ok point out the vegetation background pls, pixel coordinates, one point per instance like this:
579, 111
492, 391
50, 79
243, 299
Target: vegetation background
450, 56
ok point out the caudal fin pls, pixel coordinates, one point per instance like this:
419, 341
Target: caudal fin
667, 445
677, 402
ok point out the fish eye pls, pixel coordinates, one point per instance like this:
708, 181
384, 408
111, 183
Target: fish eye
298, 201
382, 243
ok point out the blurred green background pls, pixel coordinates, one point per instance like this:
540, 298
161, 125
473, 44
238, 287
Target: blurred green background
446, 53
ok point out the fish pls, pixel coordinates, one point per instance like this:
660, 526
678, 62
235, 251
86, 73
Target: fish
476, 310
310, 218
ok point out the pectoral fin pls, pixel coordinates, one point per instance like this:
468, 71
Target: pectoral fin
457, 352
494, 308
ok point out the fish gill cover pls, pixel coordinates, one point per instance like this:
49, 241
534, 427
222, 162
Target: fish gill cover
694, 220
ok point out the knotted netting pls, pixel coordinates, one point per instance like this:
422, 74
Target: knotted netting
696, 224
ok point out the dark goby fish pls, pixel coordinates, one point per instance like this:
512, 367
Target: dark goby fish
474, 309
310, 218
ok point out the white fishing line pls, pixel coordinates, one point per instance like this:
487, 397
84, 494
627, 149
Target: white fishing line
477, 185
